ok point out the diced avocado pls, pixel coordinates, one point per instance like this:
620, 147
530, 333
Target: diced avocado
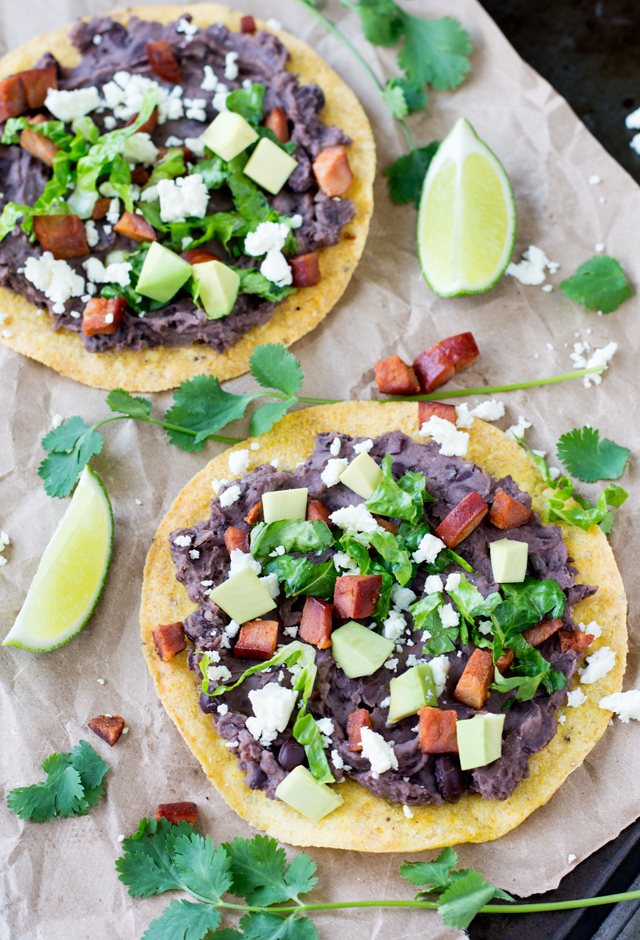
243, 597
270, 166
363, 475
312, 799
508, 560
163, 274
219, 287
285, 504
359, 651
479, 740
228, 135
411, 691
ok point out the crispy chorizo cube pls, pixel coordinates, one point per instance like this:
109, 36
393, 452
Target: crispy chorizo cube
317, 511
540, 632
163, 62
149, 125
177, 812
427, 409
100, 208
135, 227
434, 367
305, 270
395, 377
13, 101
107, 727
356, 721
257, 639
332, 171
316, 623
38, 146
473, 685
63, 235
462, 520
507, 513
462, 350
254, 513
247, 24
169, 639
199, 256
102, 315
575, 640
356, 595
504, 661
140, 175
437, 731
36, 83
278, 122
236, 539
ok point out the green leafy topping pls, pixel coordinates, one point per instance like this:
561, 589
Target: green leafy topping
403, 97
557, 506
171, 166
590, 459
184, 920
405, 176
264, 418
124, 403
260, 873
70, 448
396, 557
201, 405
295, 535
599, 284
435, 52
248, 102
273, 366
301, 576
381, 22
399, 499
73, 784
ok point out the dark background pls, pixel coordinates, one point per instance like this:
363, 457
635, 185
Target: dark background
589, 50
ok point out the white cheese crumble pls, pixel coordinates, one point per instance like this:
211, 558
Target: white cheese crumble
632, 121
439, 670
273, 23
448, 616
429, 548
330, 476
531, 270
272, 707
182, 198
516, 431
490, 410
210, 80
626, 705
576, 698
92, 233
231, 66
241, 560
189, 29
56, 279
345, 562
407, 811
239, 462
453, 443
97, 39
113, 212
394, 626
230, 496
69, 105
276, 268
335, 447
195, 109
325, 726
271, 583
216, 485
116, 273
278, 550
375, 749
363, 447
292, 631
562, 719
571, 858
267, 237
385, 702
391, 664
275, 462
599, 247
182, 541
255, 445
223, 709
453, 582
464, 418
594, 179
220, 97
598, 665
7, 334
194, 554
218, 673
124, 96
295, 221
355, 517
110, 122
593, 628
139, 148
336, 760
402, 598
433, 584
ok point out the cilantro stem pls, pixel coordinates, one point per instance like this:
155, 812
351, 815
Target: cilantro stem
169, 427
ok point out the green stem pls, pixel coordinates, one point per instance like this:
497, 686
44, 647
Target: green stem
169, 427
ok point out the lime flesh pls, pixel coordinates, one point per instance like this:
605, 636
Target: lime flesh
71, 573
467, 216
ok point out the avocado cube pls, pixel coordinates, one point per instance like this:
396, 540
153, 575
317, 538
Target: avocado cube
219, 287
302, 792
285, 504
411, 691
270, 166
508, 560
479, 740
363, 475
243, 597
163, 274
228, 135
359, 651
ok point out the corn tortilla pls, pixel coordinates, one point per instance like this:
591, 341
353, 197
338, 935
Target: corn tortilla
152, 370
365, 822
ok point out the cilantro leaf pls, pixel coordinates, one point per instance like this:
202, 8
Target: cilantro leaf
599, 284
299, 875
405, 176
395, 100
248, 102
148, 866
201, 405
465, 897
414, 95
183, 920
264, 418
74, 782
274, 927
435, 52
590, 459
70, 448
91, 767
273, 366
205, 868
124, 403
436, 872
381, 21
259, 871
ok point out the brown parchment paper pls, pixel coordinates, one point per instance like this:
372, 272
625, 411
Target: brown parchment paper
58, 880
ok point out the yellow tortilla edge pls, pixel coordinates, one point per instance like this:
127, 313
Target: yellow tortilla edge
364, 822
153, 370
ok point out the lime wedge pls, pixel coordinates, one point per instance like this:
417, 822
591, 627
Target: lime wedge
467, 216
71, 573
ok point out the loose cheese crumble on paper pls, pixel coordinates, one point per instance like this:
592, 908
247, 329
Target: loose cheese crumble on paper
626, 705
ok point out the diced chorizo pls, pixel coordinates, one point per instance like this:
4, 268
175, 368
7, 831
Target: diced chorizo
278, 122
169, 639
163, 62
316, 623
462, 520
504, 660
386, 524
100, 208
199, 256
140, 175
332, 171
247, 24
63, 235
395, 377
540, 632
317, 511
305, 270
356, 595
13, 101
473, 685
103, 316
462, 350
257, 639
177, 812
356, 721
236, 539
38, 146
427, 409
575, 640
135, 227
434, 367
36, 84
149, 125
254, 513
437, 731
107, 727
507, 513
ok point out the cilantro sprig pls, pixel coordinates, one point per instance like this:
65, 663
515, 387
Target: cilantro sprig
599, 284
590, 459
74, 783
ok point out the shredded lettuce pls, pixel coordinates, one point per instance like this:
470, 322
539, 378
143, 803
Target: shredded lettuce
399, 499
301, 576
295, 535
